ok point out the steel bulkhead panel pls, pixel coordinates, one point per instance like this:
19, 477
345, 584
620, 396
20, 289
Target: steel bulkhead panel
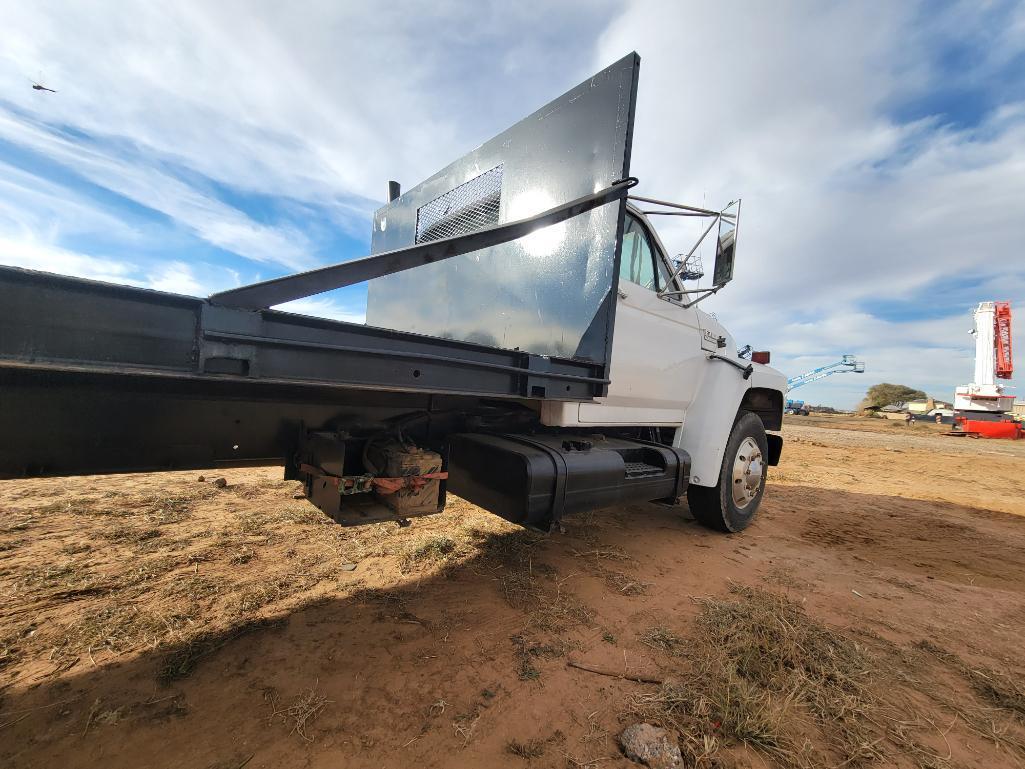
549, 292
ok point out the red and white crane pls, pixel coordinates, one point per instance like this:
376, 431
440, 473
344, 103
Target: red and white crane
981, 407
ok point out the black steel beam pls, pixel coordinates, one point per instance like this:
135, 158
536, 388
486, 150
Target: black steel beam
268, 293
73, 423
57, 323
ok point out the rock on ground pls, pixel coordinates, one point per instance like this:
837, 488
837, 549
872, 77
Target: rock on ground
651, 746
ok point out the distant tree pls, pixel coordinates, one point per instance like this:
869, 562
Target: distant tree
886, 394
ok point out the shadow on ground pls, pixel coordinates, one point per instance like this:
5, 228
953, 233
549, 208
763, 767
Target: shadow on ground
453, 667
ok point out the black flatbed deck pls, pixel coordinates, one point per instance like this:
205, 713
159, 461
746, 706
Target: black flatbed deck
97, 377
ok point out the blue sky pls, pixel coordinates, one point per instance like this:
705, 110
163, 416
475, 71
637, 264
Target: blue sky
879, 148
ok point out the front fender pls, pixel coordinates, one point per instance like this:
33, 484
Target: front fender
710, 417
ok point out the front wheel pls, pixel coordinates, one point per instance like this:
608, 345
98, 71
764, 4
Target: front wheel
731, 504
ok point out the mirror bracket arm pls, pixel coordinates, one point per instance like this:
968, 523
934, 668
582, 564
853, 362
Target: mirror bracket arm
707, 293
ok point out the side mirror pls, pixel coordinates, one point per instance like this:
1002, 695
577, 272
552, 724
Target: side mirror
726, 246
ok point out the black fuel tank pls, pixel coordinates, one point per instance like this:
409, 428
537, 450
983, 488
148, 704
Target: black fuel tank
533, 480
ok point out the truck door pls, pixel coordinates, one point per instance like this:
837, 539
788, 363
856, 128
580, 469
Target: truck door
657, 358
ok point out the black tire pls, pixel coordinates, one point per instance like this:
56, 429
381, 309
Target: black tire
715, 507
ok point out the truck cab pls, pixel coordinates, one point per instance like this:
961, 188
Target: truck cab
675, 370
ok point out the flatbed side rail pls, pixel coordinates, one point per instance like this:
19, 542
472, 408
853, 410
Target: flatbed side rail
57, 323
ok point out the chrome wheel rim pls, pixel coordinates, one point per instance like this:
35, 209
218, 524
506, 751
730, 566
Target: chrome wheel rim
748, 469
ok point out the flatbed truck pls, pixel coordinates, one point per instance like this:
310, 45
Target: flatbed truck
530, 346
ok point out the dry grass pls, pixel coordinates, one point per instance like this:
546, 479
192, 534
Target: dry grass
529, 651
998, 715
197, 588
117, 628
181, 660
131, 560
528, 750
622, 583
244, 555
304, 574
663, 639
760, 672
428, 551
1001, 690
528, 583
773, 643
124, 534
66, 577
156, 509
9, 651
302, 514
993, 687
186, 568
300, 712
542, 596
619, 582
174, 508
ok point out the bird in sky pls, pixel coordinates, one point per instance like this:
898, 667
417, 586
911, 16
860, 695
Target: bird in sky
40, 87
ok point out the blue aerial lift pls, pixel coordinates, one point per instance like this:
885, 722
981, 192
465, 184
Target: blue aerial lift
846, 365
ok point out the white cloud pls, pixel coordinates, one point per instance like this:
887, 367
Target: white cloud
30, 204
790, 106
176, 277
142, 181
320, 307
21, 252
320, 102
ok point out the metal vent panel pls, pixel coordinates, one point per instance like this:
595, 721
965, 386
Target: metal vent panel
469, 207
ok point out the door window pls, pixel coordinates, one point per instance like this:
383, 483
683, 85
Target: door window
638, 261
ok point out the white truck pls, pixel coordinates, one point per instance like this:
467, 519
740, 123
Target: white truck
530, 345
668, 373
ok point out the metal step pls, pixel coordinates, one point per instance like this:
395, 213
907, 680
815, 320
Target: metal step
641, 470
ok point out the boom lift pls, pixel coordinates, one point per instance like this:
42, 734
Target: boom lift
846, 365
530, 346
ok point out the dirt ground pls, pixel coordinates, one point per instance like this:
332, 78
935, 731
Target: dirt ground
872, 616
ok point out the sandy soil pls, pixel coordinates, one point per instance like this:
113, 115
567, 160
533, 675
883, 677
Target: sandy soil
155, 620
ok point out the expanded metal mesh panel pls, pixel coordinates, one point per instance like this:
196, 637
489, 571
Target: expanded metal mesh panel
467, 208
